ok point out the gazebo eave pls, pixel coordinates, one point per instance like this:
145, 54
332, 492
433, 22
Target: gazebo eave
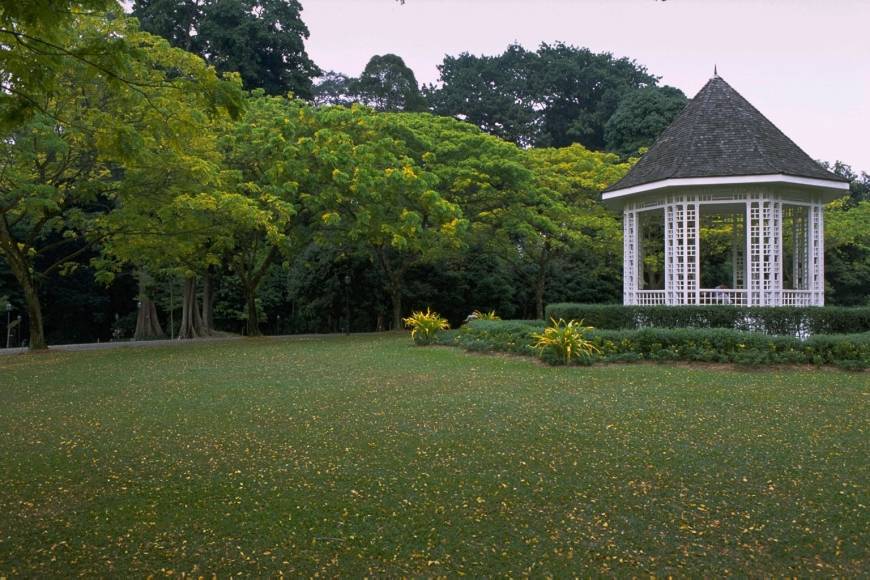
828, 190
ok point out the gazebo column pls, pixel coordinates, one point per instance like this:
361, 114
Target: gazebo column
816, 253
764, 250
631, 266
800, 247
682, 238
738, 251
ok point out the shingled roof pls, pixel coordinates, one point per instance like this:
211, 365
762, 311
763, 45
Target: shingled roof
720, 134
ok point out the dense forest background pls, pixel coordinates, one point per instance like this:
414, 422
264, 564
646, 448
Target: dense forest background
186, 169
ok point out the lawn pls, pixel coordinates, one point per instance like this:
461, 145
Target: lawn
365, 455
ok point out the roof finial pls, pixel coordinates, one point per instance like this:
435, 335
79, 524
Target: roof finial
715, 73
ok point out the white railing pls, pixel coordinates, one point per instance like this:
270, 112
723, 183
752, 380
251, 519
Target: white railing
797, 298
726, 296
650, 297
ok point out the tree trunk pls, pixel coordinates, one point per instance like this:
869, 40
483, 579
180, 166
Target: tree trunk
208, 296
394, 276
147, 324
21, 269
34, 311
252, 326
396, 297
191, 318
541, 282
539, 301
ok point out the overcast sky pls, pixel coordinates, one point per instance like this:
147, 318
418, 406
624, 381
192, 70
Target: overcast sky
805, 64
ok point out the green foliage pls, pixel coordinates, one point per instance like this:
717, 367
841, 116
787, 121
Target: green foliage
553, 97
566, 341
559, 215
847, 251
262, 40
641, 117
491, 315
97, 143
425, 326
713, 345
387, 84
790, 321
510, 336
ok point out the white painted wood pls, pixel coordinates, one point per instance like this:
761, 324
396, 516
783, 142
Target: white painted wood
834, 186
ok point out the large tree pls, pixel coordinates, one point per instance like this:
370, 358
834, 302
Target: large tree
386, 84
563, 215
555, 96
92, 137
641, 116
262, 40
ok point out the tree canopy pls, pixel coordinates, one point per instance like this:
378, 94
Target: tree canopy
641, 117
262, 40
385, 84
553, 97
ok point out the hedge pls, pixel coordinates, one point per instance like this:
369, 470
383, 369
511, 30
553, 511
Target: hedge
721, 345
779, 320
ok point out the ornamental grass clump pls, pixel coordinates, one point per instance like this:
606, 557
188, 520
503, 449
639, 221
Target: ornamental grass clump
565, 341
491, 315
425, 326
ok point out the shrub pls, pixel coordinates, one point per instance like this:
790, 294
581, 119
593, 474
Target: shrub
425, 326
566, 340
491, 315
714, 345
791, 321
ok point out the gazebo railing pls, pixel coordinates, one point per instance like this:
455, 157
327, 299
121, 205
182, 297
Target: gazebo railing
728, 296
798, 298
723, 296
650, 297
704, 296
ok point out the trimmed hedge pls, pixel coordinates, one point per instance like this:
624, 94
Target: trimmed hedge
779, 320
718, 345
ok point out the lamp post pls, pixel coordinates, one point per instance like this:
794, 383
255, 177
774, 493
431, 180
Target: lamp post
347, 304
19, 331
8, 313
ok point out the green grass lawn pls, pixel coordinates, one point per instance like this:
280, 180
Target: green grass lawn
365, 455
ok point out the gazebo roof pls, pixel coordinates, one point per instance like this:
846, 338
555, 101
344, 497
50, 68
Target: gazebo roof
721, 135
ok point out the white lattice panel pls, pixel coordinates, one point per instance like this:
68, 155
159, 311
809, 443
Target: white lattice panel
630, 265
816, 250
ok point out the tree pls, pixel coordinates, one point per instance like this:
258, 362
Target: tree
37, 48
491, 92
563, 215
271, 178
262, 40
553, 97
387, 84
334, 88
579, 90
847, 252
71, 163
859, 185
641, 117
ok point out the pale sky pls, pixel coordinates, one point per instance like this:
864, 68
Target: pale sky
805, 64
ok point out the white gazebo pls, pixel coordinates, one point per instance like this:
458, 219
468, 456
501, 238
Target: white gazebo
723, 167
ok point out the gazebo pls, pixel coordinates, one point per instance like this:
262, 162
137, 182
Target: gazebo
722, 168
